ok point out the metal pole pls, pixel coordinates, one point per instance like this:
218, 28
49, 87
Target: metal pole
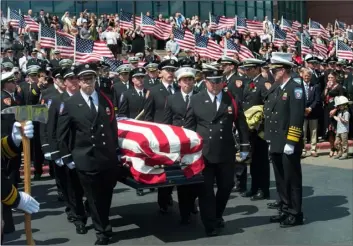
134, 12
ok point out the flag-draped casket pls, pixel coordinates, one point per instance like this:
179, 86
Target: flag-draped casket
148, 147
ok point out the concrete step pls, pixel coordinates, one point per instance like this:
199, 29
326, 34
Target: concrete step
323, 147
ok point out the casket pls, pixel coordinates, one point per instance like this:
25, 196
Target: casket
158, 153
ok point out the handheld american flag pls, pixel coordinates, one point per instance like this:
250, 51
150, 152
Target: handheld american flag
240, 24
340, 25
113, 64
148, 26
255, 26
350, 36
207, 48
230, 48
306, 45
321, 49
46, 37
279, 36
286, 25
125, 20
316, 29
90, 51
221, 22
184, 38
65, 45
343, 51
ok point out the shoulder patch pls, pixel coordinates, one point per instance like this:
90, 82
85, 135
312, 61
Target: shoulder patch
298, 80
298, 93
49, 103
42, 102
268, 85
62, 105
7, 101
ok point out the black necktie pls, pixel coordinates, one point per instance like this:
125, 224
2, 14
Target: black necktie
141, 94
170, 90
187, 100
215, 104
93, 107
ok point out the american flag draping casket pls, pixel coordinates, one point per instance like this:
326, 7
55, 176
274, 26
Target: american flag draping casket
145, 146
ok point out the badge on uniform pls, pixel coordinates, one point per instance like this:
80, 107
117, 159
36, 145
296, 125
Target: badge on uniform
298, 93
238, 83
61, 108
105, 85
42, 102
107, 110
7, 101
230, 111
49, 103
225, 89
284, 96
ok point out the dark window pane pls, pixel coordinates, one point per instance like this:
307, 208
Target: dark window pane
176, 6
259, 4
107, 8
260, 14
91, 6
251, 13
142, 6
125, 6
251, 4
47, 6
61, 7
205, 8
161, 7
191, 9
16, 5
218, 8
269, 14
241, 3
241, 11
230, 8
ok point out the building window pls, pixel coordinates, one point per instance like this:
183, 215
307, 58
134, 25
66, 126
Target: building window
230, 8
191, 9
16, 5
241, 11
260, 10
251, 13
61, 7
218, 8
91, 6
47, 6
205, 9
176, 6
268, 9
125, 6
143, 7
161, 7
107, 8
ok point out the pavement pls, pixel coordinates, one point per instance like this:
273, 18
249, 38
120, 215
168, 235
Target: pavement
327, 207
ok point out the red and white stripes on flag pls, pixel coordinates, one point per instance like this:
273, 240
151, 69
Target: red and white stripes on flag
343, 51
65, 44
255, 26
32, 25
321, 50
316, 29
184, 38
296, 26
207, 48
46, 37
145, 146
221, 22
90, 51
159, 29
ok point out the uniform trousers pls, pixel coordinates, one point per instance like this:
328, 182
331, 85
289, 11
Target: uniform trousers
52, 171
288, 175
260, 165
164, 196
13, 170
213, 205
241, 174
37, 155
187, 195
98, 188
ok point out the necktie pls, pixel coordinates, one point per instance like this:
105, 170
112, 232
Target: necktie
187, 100
307, 91
215, 104
141, 94
170, 90
93, 107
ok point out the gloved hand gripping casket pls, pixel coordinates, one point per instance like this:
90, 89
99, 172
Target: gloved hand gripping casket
148, 148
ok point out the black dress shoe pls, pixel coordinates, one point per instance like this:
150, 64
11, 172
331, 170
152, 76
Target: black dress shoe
170, 201
163, 210
185, 221
281, 216
81, 229
212, 232
260, 195
238, 188
61, 197
37, 177
220, 223
248, 193
274, 205
195, 209
102, 241
292, 220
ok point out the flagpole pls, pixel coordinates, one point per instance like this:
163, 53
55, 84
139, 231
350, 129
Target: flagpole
336, 48
236, 22
301, 46
75, 50
282, 22
8, 13
55, 40
209, 16
40, 32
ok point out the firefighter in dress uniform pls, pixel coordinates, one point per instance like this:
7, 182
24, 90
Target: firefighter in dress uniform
284, 114
10, 196
174, 114
124, 84
87, 136
212, 114
154, 112
199, 78
254, 94
152, 75
57, 58
104, 83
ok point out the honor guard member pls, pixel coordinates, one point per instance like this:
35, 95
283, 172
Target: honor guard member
174, 114
121, 86
284, 112
132, 101
10, 57
340, 71
154, 112
331, 62
134, 61
33, 60
212, 114
152, 75
254, 94
10, 196
199, 79
7, 66
66, 175
87, 134
104, 83
57, 58
30, 93
65, 63
9, 99
54, 89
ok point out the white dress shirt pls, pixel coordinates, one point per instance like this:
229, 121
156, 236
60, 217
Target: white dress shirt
94, 97
184, 95
284, 84
139, 91
219, 98
166, 86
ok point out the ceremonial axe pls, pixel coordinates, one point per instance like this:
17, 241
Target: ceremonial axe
38, 113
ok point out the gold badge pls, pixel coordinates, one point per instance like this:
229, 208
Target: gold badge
215, 73
238, 83
268, 85
107, 110
230, 111
86, 66
7, 101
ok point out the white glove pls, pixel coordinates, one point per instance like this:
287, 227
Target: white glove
47, 156
71, 165
243, 155
59, 162
28, 131
28, 203
288, 149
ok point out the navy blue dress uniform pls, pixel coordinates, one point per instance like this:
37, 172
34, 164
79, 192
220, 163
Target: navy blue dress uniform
151, 81
199, 80
66, 178
132, 101
9, 99
56, 61
174, 114
104, 83
254, 94
155, 102
284, 112
11, 59
30, 94
87, 134
121, 86
213, 116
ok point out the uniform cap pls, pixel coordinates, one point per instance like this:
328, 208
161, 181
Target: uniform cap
332, 60
7, 77
133, 59
252, 62
84, 69
197, 67
68, 72
170, 63
227, 60
65, 63
34, 69
139, 55
185, 62
57, 72
125, 68
7, 65
139, 71
214, 76
185, 72
151, 66
281, 59
56, 51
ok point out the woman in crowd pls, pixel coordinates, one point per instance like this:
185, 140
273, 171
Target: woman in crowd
332, 90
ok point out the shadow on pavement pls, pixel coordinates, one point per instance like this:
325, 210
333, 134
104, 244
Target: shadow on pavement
37, 242
241, 209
